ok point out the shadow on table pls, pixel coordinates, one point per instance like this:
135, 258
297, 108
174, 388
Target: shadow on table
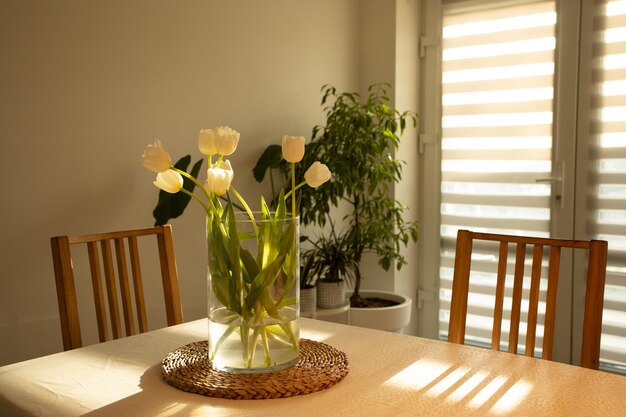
159, 399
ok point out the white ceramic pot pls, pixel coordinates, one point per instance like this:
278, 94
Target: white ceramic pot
308, 300
392, 319
330, 294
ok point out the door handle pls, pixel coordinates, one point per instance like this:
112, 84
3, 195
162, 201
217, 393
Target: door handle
558, 185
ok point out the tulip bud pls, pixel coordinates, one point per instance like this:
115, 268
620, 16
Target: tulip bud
222, 140
293, 148
218, 180
206, 142
317, 174
170, 181
226, 140
155, 158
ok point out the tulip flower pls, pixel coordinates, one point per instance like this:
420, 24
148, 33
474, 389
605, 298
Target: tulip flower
293, 148
206, 142
317, 174
226, 140
218, 179
156, 158
222, 140
169, 181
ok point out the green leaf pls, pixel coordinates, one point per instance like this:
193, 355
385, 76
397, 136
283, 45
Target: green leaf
281, 208
268, 304
249, 263
263, 280
170, 206
269, 159
220, 265
287, 302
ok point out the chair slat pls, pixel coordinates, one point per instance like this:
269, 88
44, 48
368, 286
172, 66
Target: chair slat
98, 293
551, 292
109, 275
171, 291
66, 292
460, 290
135, 265
500, 285
122, 274
533, 300
594, 296
520, 254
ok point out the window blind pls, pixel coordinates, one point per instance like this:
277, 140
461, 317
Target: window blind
497, 101
607, 204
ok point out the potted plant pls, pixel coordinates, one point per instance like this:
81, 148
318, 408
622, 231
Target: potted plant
333, 265
357, 143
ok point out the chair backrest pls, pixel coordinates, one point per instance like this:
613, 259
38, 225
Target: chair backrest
66, 290
596, 273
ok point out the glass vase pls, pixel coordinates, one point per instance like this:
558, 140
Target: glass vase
253, 297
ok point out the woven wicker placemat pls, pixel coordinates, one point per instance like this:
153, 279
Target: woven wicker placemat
320, 366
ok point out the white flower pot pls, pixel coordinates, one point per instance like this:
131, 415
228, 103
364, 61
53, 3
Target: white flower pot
392, 319
330, 294
308, 300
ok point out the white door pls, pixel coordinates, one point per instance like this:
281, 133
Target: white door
518, 152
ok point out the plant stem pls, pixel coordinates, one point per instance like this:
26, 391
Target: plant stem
293, 187
297, 187
237, 206
247, 208
192, 178
206, 208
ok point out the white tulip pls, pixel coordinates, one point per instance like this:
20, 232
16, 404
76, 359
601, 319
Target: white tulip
222, 140
293, 148
170, 181
218, 180
156, 158
317, 174
206, 142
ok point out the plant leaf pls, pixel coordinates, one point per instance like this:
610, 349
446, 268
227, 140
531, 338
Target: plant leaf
249, 264
270, 158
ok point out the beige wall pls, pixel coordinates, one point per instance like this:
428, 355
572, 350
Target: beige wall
85, 85
390, 52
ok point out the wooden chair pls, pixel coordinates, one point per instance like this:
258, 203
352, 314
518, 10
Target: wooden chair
66, 291
596, 273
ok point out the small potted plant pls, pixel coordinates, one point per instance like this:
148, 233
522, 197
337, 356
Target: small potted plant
308, 290
333, 266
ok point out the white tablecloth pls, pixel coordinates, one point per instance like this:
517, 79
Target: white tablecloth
390, 375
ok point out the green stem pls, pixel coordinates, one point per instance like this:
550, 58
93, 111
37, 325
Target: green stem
293, 187
252, 348
243, 202
237, 206
297, 187
218, 215
192, 178
266, 347
206, 208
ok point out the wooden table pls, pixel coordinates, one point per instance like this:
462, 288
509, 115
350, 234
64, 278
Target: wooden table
390, 375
